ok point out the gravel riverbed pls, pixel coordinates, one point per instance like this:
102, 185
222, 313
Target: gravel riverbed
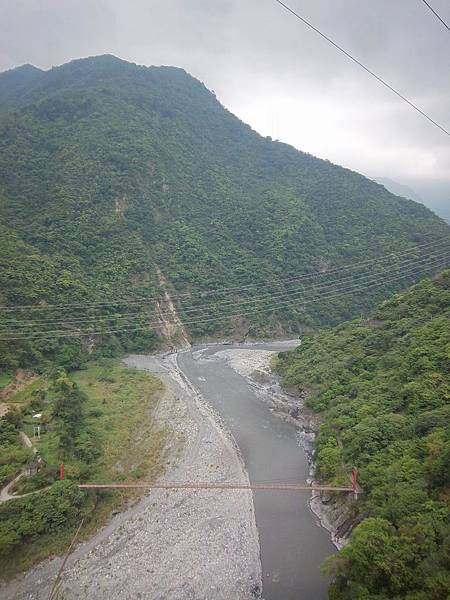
186, 544
177, 544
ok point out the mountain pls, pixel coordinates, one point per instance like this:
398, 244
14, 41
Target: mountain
435, 196
116, 178
398, 189
15, 83
382, 387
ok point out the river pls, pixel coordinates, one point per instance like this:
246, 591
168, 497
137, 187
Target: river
205, 545
293, 546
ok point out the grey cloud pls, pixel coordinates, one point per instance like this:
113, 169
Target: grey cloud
271, 70
49, 32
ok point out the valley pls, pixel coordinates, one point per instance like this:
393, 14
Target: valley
155, 255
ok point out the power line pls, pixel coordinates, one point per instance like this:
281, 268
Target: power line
352, 290
223, 290
406, 265
286, 281
286, 304
425, 262
63, 564
436, 15
352, 277
360, 64
204, 293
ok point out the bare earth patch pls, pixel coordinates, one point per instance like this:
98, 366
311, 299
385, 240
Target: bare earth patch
21, 380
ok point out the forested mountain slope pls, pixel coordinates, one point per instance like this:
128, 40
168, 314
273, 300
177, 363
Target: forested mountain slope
383, 388
109, 170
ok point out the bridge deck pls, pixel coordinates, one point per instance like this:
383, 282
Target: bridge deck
216, 486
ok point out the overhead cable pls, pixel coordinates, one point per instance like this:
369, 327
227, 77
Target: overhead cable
436, 14
223, 290
406, 265
351, 290
360, 64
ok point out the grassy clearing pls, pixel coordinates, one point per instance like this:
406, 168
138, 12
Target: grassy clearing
119, 410
5, 379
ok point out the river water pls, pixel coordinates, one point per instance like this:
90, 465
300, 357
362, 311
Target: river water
293, 546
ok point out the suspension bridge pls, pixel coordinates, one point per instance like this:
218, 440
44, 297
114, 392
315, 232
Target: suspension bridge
219, 485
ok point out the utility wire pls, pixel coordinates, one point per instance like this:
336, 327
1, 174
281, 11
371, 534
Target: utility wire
11, 326
224, 290
436, 15
286, 304
360, 64
63, 564
352, 277
406, 265
351, 290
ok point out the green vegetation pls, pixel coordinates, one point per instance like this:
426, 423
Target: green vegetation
108, 169
13, 456
383, 388
119, 405
99, 423
5, 379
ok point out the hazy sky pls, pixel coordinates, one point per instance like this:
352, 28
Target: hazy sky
272, 71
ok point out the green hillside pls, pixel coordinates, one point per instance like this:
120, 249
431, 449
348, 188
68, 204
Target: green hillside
383, 388
109, 170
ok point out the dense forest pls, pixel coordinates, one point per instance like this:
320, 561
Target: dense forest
382, 388
109, 170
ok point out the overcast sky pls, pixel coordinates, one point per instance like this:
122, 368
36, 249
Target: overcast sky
272, 71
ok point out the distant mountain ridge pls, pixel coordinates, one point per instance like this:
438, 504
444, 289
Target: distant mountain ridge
398, 189
440, 206
15, 83
109, 170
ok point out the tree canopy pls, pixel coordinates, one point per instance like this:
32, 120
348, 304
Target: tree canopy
109, 170
382, 386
